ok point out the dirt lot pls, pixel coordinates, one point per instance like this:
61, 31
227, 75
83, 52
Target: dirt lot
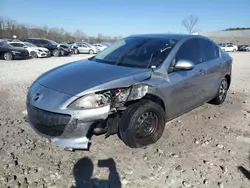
208, 147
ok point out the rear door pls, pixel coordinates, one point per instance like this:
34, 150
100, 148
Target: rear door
213, 65
85, 48
36, 42
187, 89
44, 43
80, 48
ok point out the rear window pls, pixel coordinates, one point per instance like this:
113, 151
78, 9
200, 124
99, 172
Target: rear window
209, 50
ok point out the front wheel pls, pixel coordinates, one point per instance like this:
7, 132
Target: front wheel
221, 93
142, 124
91, 52
33, 54
56, 53
76, 51
8, 56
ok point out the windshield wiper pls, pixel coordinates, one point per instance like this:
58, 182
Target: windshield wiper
122, 56
150, 60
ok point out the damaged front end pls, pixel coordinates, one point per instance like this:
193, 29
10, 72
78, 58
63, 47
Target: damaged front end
70, 125
117, 99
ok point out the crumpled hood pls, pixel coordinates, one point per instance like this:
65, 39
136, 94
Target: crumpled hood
88, 76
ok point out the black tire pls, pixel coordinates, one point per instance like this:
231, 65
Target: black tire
91, 52
221, 93
8, 56
33, 54
76, 51
56, 53
131, 124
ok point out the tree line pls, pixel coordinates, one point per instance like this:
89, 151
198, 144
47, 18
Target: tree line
10, 28
237, 28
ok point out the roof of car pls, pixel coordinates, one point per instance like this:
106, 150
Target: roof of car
170, 36
37, 39
16, 42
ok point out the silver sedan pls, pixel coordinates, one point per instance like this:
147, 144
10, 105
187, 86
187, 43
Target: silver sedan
131, 88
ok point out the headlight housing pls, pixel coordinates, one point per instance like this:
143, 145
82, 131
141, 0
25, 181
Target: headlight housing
90, 101
112, 97
40, 50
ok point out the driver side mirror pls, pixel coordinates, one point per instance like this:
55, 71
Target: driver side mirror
184, 65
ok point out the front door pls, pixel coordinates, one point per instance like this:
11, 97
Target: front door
82, 48
187, 89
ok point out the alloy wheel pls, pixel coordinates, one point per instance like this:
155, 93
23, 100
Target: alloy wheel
223, 90
7, 56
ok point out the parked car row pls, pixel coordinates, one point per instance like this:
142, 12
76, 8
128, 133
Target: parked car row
39, 47
230, 47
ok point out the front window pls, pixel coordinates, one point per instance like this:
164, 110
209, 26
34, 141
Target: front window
29, 44
53, 42
137, 52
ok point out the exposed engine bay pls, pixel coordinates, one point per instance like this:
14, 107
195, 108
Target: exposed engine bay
117, 99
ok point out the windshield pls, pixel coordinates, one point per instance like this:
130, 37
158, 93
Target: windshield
4, 44
89, 45
137, 52
29, 44
53, 42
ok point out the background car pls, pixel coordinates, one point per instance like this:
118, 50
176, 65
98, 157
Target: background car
84, 47
247, 48
33, 50
229, 47
244, 47
51, 45
100, 46
65, 49
73, 47
9, 52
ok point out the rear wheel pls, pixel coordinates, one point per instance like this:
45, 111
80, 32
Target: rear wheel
222, 93
91, 52
142, 124
8, 56
56, 53
33, 54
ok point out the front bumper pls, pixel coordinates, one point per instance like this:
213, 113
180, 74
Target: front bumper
66, 128
43, 54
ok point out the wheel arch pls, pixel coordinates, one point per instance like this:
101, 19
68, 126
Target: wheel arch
228, 77
155, 99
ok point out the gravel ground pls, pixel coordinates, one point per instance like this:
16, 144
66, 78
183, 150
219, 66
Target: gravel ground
207, 147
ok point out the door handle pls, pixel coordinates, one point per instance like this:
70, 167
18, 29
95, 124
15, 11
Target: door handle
201, 72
